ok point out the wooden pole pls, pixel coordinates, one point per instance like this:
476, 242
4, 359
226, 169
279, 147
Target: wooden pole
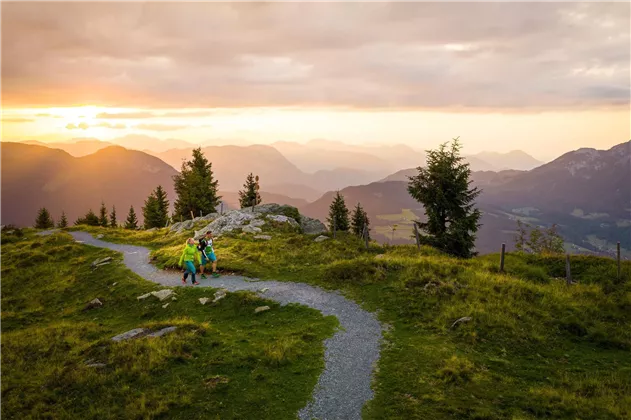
366, 235
502, 258
418, 238
192, 215
180, 218
568, 272
334, 228
200, 213
221, 211
618, 258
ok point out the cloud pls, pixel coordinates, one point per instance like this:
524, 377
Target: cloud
80, 126
371, 55
17, 120
112, 126
160, 127
126, 115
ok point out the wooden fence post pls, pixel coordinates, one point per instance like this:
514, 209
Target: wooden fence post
200, 213
568, 272
181, 218
366, 235
502, 258
334, 228
253, 203
192, 215
418, 238
221, 211
618, 258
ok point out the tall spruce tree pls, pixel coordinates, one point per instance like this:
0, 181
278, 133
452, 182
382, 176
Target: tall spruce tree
113, 221
44, 220
89, 219
249, 195
155, 211
103, 221
359, 220
63, 221
443, 187
195, 187
132, 220
338, 214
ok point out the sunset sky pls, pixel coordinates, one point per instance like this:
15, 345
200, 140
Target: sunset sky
544, 78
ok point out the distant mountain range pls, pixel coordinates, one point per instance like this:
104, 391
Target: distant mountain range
35, 176
587, 191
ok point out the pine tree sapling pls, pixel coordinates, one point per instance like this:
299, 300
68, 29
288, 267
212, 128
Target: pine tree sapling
360, 222
195, 187
89, 219
44, 221
156, 208
132, 220
113, 221
443, 187
250, 194
338, 214
63, 221
103, 221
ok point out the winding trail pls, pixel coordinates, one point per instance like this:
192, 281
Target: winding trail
350, 354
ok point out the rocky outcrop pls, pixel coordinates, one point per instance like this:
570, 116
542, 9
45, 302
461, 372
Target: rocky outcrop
311, 226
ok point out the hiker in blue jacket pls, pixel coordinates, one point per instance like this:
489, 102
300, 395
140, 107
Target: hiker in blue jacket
208, 254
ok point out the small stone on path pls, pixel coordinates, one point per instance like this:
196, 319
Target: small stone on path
130, 334
261, 309
263, 290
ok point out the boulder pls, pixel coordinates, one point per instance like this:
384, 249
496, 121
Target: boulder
263, 237
136, 332
282, 219
163, 294
251, 229
261, 309
94, 303
161, 332
312, 226
227, 222
321, 238
220, 294
100, 261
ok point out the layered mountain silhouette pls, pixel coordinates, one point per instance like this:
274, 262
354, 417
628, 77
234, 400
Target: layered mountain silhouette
35, 176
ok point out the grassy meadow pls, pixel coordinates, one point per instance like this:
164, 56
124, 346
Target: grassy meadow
222, 362
533, 347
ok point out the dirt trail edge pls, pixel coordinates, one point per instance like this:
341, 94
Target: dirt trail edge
350, 354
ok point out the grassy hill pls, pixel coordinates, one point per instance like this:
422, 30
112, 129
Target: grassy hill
534, 347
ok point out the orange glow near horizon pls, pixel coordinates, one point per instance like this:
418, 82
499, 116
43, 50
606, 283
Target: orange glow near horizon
544, 135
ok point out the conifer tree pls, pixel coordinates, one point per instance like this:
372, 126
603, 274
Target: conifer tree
113, 221
443, 187
132, 220
103, 215
89, 219
155, 210
338, 214
63, 221
359, 220
44, 221
195, 187
250, 194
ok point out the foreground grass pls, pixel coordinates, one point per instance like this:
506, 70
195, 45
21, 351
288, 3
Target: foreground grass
223, 361
534, 347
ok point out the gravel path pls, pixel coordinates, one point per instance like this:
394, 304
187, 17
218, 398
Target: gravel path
350, 355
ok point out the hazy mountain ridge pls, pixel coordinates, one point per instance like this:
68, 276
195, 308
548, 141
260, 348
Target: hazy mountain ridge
35, 176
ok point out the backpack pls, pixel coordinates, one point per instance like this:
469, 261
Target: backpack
202, 245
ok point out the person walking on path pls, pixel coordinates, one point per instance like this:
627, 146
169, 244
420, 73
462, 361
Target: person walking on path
208, 254
188, 258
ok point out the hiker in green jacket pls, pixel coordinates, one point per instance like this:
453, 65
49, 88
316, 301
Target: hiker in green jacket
190, 255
